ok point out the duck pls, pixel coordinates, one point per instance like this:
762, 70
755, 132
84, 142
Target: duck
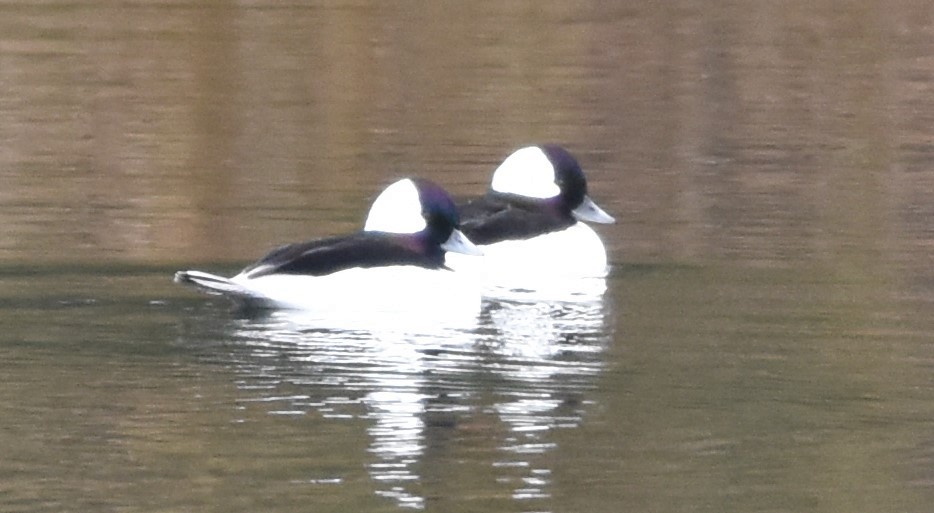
530, 224
395, 263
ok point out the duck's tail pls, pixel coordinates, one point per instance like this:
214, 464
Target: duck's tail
241, 295
209, 282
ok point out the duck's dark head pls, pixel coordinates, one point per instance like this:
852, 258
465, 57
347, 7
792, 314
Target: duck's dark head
420, 207
549, 173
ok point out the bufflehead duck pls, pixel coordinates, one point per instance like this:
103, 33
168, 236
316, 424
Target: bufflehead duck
396, 262
528, 223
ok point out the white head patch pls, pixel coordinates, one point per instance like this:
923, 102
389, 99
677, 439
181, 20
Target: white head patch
526, 172
397, 209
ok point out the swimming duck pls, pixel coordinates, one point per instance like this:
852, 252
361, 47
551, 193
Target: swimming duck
528, 223
395, 263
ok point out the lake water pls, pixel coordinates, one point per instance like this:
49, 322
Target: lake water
765, 342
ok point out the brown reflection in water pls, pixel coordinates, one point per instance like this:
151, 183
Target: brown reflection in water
764, 134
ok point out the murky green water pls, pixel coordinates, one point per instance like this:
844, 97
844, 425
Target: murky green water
764, 345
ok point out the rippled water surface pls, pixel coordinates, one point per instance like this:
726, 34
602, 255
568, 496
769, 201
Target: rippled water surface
765, 342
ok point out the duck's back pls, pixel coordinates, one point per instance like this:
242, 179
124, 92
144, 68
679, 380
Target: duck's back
497, 218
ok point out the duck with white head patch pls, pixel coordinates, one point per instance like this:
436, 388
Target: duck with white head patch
396, 263
528, 224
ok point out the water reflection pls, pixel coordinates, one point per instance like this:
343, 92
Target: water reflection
497, 389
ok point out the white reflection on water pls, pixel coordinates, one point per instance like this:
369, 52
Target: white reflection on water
528, 364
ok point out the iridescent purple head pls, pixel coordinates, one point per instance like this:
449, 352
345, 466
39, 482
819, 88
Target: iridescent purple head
419, 206
549, 172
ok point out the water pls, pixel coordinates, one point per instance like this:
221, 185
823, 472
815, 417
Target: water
764, 343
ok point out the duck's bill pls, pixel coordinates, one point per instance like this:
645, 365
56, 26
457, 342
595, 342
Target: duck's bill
589, 211
459, 243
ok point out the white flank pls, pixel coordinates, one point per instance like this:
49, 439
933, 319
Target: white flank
360, 292
567, 264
